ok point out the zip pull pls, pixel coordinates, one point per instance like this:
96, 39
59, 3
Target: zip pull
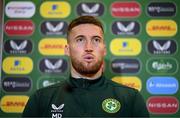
84, 83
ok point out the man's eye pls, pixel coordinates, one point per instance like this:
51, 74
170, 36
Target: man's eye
80, 40
97, 40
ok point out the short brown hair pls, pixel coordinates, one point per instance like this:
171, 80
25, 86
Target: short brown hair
84, 20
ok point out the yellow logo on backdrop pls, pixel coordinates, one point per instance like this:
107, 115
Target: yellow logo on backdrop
13, 104
161, 28
55, 9
133, 82
52, 46
125, 46
17, 65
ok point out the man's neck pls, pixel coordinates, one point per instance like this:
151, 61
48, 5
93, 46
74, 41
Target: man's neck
77, 75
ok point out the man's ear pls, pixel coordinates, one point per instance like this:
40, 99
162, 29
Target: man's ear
66, 50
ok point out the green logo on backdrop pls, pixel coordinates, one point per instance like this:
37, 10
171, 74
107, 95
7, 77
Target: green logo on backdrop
111, 105
162, 65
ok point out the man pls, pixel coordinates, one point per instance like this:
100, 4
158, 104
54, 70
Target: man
86, 93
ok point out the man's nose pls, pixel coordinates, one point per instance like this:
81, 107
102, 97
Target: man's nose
89, 46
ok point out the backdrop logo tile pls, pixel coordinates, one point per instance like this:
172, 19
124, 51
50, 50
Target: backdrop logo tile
90, 8
133, 82
52, 46
16, 84
125, 28
13, 104
18, 46
161, 9
17, 65
125, 46
161, 28
162, 66
163, 105
53, 65
54, 28
20, 9
162, 47
47, 81
162, 85
125, 9
55, 9
19, 27
125, 66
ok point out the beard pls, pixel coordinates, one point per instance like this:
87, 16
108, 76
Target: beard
86, 68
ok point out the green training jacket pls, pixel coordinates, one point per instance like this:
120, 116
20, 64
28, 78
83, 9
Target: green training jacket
86, 98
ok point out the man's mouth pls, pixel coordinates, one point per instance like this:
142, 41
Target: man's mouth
89, 58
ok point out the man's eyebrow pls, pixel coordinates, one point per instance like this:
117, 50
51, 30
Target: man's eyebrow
97, 37
79, 36
82, 36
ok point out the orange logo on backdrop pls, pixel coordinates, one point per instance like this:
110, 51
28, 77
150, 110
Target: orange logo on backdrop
133, 82
52, 46
161, 28
13, 104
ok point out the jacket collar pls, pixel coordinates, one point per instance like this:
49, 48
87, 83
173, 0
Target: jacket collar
84, 83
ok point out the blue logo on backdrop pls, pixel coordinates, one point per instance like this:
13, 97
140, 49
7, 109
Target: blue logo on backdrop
162, 85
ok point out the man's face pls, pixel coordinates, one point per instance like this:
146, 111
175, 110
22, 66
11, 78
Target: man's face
86, 48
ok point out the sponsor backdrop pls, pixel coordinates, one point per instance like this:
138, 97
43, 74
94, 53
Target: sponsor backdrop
142, 41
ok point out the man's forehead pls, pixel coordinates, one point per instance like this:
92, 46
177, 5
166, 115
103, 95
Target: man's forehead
86, 30
87, 26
